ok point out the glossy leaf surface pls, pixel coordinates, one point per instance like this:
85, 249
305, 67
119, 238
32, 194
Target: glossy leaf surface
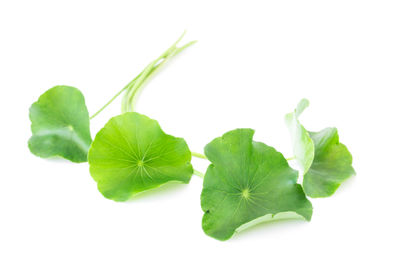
60, 125
132, 154
247, 180
331, 166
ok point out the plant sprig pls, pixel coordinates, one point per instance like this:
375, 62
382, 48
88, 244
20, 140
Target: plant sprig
132, 89
246, 181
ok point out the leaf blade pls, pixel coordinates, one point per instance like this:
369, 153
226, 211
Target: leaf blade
303, 146
245, 181
60, 125
132, 154
332, 164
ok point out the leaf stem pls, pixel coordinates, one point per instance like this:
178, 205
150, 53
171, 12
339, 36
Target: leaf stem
134, 86
115, 96
199, 174
128, 103
198, 155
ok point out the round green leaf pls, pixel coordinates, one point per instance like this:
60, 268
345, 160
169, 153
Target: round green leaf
247, 180
332, 164
132, 154
60, 125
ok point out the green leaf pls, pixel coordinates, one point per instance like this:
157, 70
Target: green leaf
325, 163
60, 125
331, 166
132, 154
303, 147
247, 180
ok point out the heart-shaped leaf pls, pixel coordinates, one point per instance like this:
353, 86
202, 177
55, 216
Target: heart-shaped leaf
60, 125
303, 147
331, 165
132, 154
247, 180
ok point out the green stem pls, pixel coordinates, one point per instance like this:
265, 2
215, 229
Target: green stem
199, 174
128, 102
199, 155
290, 158
134, 86
115, 96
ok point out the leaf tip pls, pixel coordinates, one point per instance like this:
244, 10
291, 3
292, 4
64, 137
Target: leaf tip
301, 106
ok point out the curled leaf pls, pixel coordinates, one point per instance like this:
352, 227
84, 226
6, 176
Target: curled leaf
325, 163
303, 147
132, 154
60, 125
247, 180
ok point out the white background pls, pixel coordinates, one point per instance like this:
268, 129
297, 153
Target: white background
254, 61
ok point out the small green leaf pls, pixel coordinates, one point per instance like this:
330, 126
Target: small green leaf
303, 147
325, 162
132, 154
60, 125
331, 166
247, 180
